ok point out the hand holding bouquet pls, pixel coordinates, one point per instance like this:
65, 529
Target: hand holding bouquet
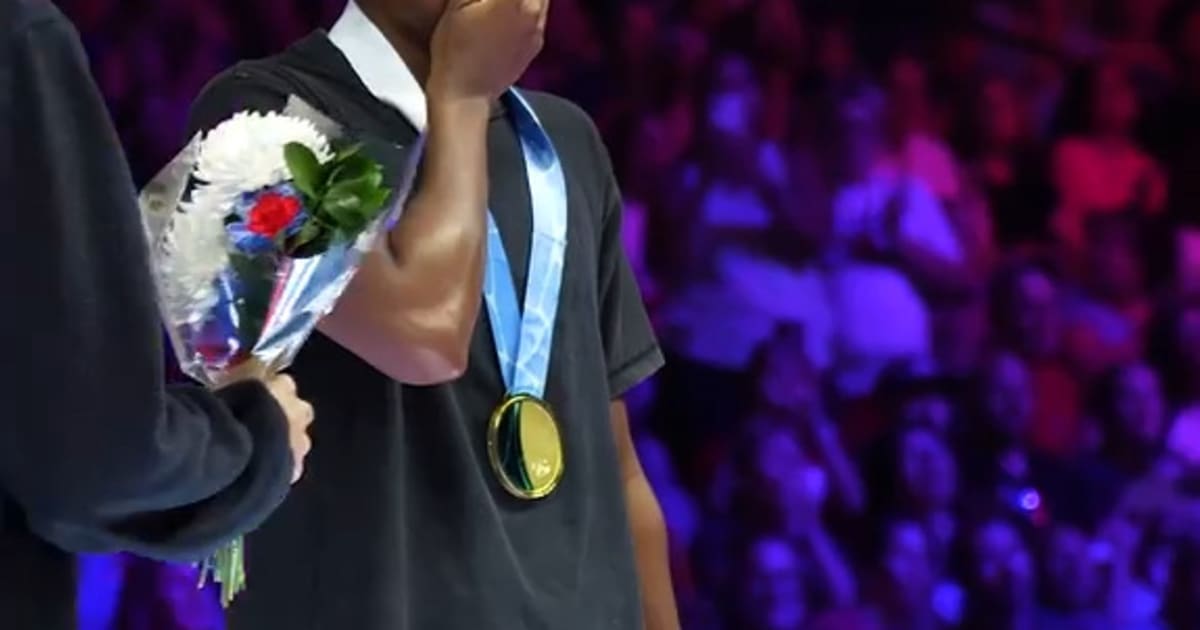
255, 230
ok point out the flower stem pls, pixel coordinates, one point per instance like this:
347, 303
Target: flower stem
227, 569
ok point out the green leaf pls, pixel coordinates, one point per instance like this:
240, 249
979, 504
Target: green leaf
317, 230
347, 209
307, 233
328, 173
305, 168
347, 151
354, 167
374, 202
371, 180
339, 202
361, 187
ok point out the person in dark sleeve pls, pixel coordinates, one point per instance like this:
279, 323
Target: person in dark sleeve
96, 455
404, 521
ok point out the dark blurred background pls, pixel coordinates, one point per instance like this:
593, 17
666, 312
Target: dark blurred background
928, 273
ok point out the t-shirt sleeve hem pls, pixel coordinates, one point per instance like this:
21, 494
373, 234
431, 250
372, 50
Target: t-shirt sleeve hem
644, 365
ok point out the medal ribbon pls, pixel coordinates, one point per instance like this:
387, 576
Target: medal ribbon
524, 337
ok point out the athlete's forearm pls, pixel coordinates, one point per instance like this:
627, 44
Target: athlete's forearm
438, 247
650, 543
412, 308
649, 529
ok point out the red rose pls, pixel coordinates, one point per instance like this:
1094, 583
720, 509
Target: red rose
272, 213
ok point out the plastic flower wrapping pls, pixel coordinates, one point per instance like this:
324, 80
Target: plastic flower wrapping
255, 230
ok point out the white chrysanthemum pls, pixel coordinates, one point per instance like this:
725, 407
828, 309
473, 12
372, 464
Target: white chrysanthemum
211, 200
192, 254
245, 153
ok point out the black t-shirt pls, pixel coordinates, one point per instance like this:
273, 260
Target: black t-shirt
399, 523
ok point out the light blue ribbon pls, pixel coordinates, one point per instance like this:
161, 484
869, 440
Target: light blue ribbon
524, 337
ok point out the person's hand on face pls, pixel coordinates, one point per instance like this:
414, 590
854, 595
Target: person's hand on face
481, 47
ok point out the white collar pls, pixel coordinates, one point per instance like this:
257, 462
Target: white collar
378, 65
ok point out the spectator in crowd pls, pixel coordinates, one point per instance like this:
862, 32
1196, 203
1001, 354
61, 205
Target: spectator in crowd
1099, 166
1107, 313
1000, 577
1001, 468
909, 590
775, 487
924, 488
1072, 579
892, 242
1005, 162
790, 397
1132, 412
916, 394
774, 594
1027, 319
913, 143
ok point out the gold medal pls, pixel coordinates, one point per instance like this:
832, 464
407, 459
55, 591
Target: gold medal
525, 447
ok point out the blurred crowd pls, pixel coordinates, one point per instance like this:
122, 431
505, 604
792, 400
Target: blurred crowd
927, 273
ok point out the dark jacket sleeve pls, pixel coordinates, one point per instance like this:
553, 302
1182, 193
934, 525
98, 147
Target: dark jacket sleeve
95, 451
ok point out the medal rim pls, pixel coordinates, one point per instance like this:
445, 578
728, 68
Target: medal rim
494, 451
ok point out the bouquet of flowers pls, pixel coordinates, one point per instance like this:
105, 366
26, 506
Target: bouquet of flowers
256, 228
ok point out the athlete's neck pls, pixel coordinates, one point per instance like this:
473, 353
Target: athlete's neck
412, 47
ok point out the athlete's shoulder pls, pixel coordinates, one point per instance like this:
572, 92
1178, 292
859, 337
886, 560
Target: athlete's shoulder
566, 121
245, 86
558, 111
261, 84
310, 68
552, 105
256, 73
